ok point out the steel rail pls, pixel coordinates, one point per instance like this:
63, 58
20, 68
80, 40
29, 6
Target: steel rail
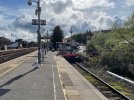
106, 84
14, 54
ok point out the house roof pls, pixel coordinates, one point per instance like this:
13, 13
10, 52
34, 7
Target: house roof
4, 40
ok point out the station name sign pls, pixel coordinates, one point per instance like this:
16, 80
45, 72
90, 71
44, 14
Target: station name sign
36, 22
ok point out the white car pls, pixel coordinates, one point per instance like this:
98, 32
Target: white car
81, 49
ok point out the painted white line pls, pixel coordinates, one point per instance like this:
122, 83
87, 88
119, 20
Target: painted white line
54, 87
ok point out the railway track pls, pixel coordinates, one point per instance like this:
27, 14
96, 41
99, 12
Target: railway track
107, 90
11, 54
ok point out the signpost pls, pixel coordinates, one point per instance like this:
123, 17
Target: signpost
36, 22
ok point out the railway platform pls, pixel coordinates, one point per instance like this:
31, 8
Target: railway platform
55, 80
75, 86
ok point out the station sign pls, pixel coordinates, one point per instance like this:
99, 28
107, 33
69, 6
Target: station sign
36, 22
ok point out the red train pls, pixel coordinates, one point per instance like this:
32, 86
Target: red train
67, 51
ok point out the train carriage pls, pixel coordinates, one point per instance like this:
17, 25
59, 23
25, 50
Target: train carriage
67, 51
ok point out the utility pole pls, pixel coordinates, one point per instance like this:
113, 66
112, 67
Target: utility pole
71, 31
39, 23
38, 32
47, 40
11, 37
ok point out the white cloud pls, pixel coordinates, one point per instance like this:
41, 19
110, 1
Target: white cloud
82, 15
19, 28
1, 18
17, 33
130, 2
80, 4
71, 14
60, 5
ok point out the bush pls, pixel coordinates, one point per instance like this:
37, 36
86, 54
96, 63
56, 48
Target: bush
91, 50
131, 70
118, 60
94, 61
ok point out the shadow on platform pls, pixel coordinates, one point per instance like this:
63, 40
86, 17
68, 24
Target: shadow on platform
3, 91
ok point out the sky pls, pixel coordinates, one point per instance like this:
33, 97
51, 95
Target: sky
81, 15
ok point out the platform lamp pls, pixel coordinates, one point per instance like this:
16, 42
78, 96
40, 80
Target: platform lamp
37, 12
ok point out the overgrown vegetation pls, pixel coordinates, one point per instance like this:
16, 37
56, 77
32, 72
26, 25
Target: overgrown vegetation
114, 49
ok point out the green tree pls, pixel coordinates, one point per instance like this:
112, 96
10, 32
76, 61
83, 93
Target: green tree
130, 22
78, 37
82, 37
57, 35
88, 35
125, 35
19, 40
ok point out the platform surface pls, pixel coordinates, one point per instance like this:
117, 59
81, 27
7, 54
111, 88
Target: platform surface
55, 80
27, 83
75, 86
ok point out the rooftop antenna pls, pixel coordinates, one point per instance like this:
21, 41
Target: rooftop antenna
71, 31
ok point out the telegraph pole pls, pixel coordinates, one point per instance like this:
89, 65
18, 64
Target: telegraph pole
11, 37
47, 40
38, 22
38, 32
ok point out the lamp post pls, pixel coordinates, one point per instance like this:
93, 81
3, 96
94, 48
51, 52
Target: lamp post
47, 41
38, 13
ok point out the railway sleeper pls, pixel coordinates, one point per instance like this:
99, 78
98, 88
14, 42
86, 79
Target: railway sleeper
100, 84
111, 94
115, 98
107, 92
103, 88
